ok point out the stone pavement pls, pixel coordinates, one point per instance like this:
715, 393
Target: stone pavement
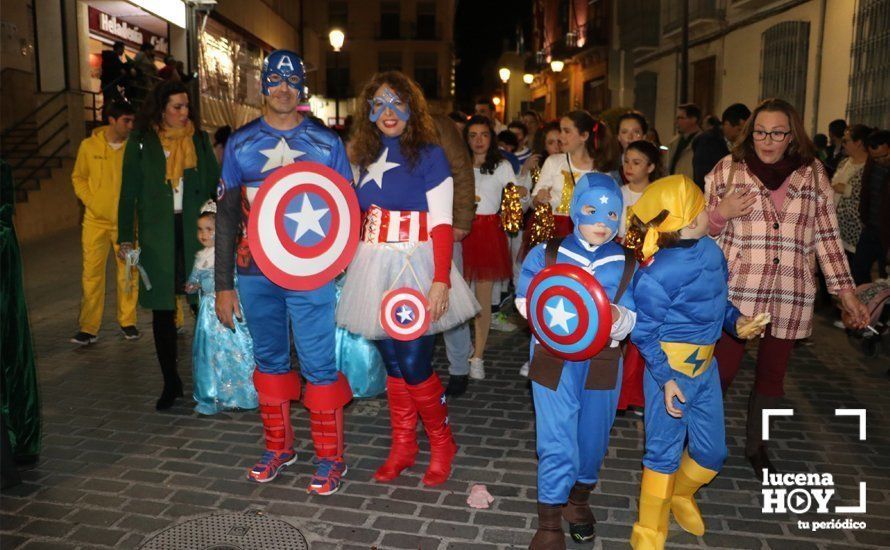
113, 471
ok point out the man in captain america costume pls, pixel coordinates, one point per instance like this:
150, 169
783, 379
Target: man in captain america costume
278, 138
575, 401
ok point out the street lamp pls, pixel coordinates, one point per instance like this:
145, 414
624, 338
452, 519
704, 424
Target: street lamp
528, 78
336, 37
504, 73
556, 65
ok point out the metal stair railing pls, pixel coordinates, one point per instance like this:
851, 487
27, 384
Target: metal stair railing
32, 136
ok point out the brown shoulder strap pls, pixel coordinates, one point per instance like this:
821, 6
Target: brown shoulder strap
552, 250
629, 264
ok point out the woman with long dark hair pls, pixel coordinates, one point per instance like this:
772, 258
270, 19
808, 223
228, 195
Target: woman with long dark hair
587, 146
169, 171
771, 208
486, 253
405, 191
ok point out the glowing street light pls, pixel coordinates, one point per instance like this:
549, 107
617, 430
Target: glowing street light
528, 78
504, 73
556, 65
337, 38
496, 100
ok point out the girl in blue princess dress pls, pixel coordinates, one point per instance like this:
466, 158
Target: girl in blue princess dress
222, 359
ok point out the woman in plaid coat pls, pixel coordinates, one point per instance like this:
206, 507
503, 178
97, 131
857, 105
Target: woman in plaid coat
771, 208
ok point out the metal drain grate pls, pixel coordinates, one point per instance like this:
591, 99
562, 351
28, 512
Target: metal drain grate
251, 530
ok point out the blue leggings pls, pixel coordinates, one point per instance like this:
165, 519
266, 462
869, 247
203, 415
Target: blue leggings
411, 360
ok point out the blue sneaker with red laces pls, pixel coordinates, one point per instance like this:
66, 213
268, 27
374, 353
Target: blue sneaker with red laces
327, 478
270, 465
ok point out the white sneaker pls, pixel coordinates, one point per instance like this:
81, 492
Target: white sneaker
500, 323
523, 370
477, 369
839, 324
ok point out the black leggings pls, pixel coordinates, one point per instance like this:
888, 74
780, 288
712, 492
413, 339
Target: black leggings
163, 325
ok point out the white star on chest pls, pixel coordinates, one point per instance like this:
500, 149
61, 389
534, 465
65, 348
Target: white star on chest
604, 200
377, 169
405, 314
559, 315
280, 155
308, 219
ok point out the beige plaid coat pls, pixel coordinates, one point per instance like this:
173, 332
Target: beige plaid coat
772, 255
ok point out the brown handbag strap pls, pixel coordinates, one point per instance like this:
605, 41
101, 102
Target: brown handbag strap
551, 250
629, 264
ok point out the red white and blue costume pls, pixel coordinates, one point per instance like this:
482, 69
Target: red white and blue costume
573, 420
272, 312
407, 242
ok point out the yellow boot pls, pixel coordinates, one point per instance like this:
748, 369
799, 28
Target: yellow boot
690, 477
650, 532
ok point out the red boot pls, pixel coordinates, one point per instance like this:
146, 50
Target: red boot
429, 399
325, 404
275, 392
403, 422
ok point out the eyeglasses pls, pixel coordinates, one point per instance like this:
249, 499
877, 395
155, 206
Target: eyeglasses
775, 135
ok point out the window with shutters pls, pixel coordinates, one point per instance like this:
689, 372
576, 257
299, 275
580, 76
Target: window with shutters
869, 100
783, 62
645, 93
389, 61
426, 73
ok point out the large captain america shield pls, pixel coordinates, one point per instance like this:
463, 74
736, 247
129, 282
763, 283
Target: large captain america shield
569, 312
304, 225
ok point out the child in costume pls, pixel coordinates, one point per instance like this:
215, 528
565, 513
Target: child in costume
222, 359
681, 297
575, 401
405, 192
486, 253
641, 165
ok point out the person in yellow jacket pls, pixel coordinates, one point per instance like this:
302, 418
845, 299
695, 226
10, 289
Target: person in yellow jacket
97, 183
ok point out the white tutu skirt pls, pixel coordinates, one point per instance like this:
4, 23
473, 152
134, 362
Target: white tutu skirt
373, 272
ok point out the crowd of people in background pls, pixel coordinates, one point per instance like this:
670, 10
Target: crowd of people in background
775, 199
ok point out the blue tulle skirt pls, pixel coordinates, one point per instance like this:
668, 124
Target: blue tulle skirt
359, 361
222, 362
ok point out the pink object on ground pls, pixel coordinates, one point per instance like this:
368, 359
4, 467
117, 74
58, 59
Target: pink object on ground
479, 497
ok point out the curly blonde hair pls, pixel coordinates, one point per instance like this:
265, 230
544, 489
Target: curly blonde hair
365, 139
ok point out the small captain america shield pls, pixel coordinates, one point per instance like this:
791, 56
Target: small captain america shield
569, 312
304, 225
404, 314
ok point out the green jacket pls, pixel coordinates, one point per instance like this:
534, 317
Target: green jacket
145, 211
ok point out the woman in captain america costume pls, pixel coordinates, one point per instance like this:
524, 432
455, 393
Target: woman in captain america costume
405, 193
254, 152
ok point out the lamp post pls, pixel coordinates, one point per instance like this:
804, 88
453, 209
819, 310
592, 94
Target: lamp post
504, 73
336, 38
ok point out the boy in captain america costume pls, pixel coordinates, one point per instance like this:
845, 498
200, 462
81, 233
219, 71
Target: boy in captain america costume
681, 297
575, 401
278, 138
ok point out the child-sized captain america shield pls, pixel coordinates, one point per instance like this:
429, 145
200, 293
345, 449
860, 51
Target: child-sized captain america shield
404, 314
569, 312
304, 225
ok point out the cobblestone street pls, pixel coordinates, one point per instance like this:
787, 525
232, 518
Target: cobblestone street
113, 472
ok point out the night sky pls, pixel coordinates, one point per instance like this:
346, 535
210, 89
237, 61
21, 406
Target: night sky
480, 28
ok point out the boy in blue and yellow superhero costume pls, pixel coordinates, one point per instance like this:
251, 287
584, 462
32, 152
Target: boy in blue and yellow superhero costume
255, 151
575, 401
681, 299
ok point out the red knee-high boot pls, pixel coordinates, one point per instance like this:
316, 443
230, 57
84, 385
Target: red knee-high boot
325, 404
275, 392
429, 399
403, 423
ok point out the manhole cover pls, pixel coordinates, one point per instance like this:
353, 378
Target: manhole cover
248, 531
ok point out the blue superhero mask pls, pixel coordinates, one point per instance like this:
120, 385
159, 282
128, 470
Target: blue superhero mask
596, 199
390, 100
283, 66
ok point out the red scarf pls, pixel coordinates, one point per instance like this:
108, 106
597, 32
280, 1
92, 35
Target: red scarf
773, 175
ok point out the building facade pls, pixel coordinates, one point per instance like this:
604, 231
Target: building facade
827, 57
568, 60
413, 36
